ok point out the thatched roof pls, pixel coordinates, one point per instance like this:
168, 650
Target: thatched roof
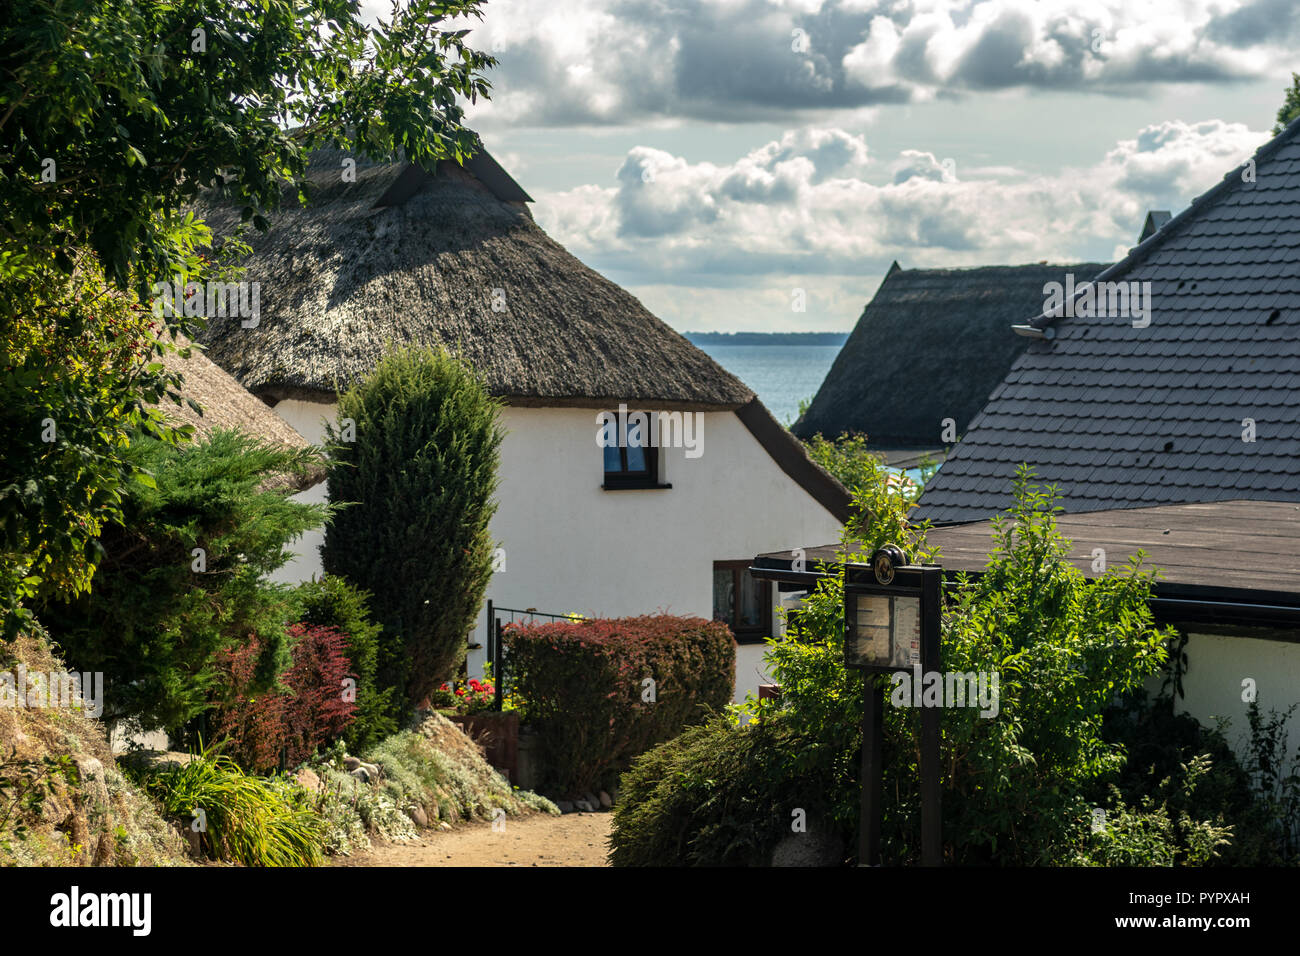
404, 257
932, 344
227, 404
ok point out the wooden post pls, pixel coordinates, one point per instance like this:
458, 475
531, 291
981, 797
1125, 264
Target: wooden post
872, 771
931, 791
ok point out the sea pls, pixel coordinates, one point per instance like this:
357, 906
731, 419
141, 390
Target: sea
781, 375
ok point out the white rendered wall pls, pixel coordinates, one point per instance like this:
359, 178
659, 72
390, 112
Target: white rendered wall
1216, 667
572, 546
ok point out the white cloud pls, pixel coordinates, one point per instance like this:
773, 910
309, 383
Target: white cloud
814, 209
619, 62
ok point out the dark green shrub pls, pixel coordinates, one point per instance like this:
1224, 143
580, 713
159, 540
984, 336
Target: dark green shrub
600, 692
720, 795
419, 480
159, 613
333, 602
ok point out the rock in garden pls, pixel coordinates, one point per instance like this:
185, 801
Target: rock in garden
814, 848
418, 816
361, 774
307, 779
584, 806
373, 770
605, 800
564, 806
351, 763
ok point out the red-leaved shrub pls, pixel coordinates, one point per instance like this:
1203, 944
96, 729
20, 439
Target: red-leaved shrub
309, 712
600, 692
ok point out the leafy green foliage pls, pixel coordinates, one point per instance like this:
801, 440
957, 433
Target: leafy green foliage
418, 482
77, 367
330, 601
1019, 787
142, 103
1290, 107
246, 819
113, 117
169, 620
718, 796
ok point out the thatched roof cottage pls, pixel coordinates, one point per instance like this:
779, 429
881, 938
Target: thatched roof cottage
389, 254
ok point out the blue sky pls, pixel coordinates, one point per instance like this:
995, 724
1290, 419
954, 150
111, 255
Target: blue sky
724, 159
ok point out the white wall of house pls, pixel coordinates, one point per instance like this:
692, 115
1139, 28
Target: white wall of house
572, 546
1213, 686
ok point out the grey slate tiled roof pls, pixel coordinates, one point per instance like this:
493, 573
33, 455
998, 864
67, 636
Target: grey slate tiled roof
1124, 417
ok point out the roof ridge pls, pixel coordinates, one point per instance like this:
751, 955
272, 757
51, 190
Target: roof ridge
1142, 250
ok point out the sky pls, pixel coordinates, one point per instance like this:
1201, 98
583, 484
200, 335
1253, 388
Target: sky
759, 164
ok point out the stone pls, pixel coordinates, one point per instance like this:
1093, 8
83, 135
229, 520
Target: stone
418, 816
606, 800
94, 787
153, 761
564, 806
351, 763
373, 770
591, 798
816, 847
308, 780
444, 825
584, 806
361, 774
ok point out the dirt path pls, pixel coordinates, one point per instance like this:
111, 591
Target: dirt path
575, 839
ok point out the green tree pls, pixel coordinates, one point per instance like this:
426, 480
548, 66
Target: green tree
1019, 783
183, 577
114, 114
78, 371
415, 487
1290, 107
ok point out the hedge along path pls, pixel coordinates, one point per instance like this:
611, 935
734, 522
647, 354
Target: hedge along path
575, 839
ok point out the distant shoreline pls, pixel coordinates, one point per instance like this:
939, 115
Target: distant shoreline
766, 338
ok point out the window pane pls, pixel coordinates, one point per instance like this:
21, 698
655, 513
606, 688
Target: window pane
612, 460
724, 596
751, 605
635, 459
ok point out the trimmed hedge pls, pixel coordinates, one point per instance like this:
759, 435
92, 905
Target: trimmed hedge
582, 687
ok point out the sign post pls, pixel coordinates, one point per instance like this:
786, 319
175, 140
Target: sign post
892, 619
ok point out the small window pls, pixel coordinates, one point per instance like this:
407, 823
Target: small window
632, 465
741, 601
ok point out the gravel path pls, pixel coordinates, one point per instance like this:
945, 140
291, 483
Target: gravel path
575, 839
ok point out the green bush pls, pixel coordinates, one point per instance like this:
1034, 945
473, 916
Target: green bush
1019, 787
419, 481
718, 795
169, 611
250, 820
333, 602
599, 692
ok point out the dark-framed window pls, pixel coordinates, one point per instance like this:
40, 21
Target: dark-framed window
741, 601
632, 466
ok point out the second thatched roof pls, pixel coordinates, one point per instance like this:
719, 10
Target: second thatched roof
395, 256
228, 405
930, 345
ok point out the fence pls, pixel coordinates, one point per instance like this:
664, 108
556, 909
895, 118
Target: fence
495, 647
